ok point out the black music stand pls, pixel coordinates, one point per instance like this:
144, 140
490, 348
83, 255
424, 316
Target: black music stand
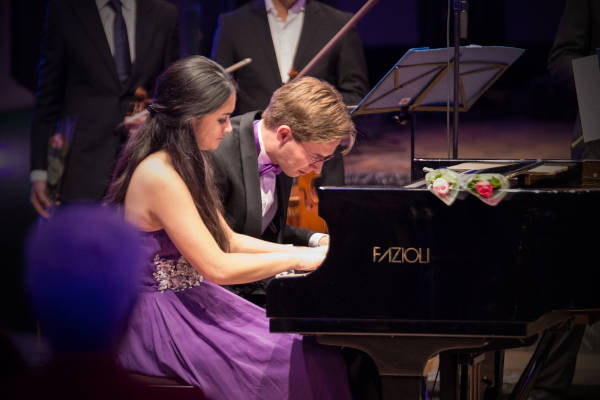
422, 80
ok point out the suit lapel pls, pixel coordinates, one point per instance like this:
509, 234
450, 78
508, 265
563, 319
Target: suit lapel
90, 19
306, 45
264, 41
253, 222
145, 24
284, 185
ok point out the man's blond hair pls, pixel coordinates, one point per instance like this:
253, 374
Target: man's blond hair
314, 110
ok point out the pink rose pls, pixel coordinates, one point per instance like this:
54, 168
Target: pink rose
484, 188
57, 141
441, 186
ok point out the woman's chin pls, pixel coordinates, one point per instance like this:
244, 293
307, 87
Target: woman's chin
210, 146
218, 142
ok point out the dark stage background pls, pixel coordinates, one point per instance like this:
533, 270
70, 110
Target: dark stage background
387, 31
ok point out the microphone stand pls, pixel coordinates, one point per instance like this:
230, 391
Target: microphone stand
459, 14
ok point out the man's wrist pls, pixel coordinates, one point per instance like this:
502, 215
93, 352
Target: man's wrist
38, 175
314, 239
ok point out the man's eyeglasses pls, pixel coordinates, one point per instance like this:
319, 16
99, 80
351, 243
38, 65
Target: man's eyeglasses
314, 158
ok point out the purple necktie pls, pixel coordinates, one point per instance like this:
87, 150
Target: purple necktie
265, 169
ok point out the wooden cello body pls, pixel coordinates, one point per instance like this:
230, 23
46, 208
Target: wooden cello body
303, 207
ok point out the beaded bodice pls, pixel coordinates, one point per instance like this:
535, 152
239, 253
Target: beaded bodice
168, 269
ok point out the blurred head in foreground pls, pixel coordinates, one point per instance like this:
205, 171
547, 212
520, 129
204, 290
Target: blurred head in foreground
81, 273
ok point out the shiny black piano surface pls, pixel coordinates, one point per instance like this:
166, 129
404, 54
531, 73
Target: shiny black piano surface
401, 261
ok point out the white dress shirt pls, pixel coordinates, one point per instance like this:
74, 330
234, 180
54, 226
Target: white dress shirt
285, 35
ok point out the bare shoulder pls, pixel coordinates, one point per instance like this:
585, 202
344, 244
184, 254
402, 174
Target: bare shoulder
153, 180
155, 173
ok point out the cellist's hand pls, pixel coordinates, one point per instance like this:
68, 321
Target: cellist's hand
134, 120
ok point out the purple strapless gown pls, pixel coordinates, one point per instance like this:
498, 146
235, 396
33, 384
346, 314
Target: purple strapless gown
186, 327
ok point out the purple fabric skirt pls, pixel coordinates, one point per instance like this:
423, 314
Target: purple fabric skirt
218, 341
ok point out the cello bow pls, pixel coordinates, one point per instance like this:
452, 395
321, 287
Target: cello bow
351, 22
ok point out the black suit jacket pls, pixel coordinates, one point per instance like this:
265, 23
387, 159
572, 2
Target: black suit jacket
78, 79
236, 175
578, 36
245, 33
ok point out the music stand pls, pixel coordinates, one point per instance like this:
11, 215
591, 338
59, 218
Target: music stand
422, 78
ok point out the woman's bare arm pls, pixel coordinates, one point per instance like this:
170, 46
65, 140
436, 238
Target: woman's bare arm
158, 198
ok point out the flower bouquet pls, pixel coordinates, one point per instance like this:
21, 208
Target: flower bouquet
443, 183
489, 188
58, 149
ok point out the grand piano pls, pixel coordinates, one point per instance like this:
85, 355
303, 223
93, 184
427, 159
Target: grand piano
408, 277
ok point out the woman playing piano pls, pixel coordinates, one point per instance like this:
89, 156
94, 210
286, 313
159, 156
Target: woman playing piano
185, 325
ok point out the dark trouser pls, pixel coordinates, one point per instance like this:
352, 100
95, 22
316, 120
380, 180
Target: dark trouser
363, 375
557, 372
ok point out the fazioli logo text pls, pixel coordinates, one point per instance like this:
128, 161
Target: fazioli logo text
401, 255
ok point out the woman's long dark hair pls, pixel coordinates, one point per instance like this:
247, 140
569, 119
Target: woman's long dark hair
189, 88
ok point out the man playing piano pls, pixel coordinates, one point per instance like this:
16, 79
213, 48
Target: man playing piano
303, 125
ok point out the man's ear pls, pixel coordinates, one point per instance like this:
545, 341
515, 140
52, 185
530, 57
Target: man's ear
284, 134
